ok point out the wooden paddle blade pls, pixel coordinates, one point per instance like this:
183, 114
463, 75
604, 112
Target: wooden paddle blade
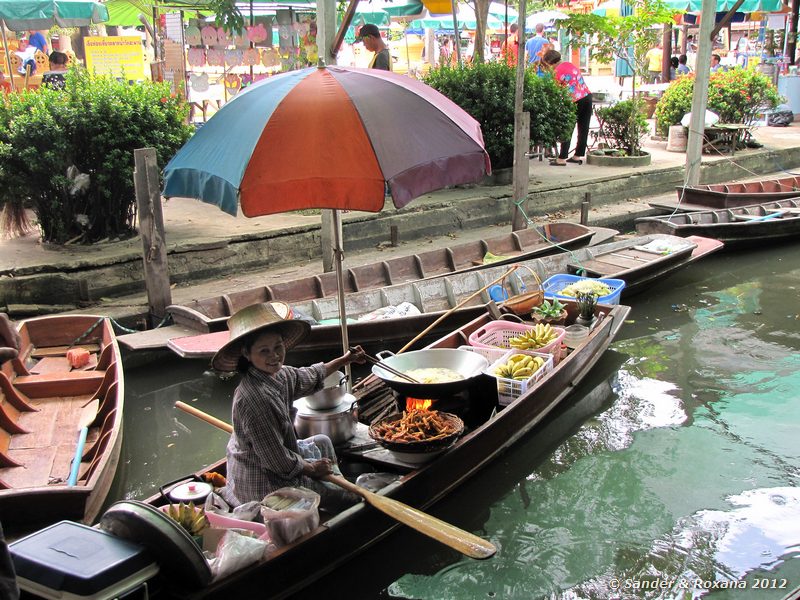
89, 413
465, 542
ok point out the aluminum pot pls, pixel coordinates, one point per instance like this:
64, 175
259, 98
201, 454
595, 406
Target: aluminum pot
338, 423
331, 395
468, 364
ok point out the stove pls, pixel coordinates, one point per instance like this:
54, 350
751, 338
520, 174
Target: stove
474, 404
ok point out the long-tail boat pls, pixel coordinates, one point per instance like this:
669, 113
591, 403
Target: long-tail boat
732, 194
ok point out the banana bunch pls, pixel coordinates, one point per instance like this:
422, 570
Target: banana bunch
541, 335
519, 367
192, 518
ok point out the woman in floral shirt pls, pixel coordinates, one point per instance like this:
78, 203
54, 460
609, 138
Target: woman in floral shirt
570, 77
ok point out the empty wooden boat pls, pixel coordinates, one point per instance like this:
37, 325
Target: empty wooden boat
757, 224
45, 404
634, 260
733, 194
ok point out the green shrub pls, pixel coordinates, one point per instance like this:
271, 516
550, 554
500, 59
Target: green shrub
93, 125
623, 126
737, 96
486, 91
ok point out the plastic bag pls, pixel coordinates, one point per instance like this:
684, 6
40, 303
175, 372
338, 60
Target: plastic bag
235, 551
295, 512
711, 119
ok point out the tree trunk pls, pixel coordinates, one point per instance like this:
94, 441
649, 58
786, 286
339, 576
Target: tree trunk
481, 17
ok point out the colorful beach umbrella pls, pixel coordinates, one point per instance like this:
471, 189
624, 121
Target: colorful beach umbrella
328, 137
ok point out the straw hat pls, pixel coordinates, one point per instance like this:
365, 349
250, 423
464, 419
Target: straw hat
256, 318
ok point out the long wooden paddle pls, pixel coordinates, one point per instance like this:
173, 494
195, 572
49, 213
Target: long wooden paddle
465, 542
88, 414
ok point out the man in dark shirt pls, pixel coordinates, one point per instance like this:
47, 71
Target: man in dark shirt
371, 37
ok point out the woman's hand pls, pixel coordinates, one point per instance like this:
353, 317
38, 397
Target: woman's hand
318, 468
356, 354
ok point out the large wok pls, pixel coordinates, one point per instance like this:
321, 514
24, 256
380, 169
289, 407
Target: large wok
468, 364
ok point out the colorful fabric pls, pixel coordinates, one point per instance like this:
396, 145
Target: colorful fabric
570, 77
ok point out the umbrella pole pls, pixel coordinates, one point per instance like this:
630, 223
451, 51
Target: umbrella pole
8, 56
338, 256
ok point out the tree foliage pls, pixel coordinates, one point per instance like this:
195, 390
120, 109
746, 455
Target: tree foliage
486, 91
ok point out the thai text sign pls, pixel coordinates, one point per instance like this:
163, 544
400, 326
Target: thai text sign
118, 56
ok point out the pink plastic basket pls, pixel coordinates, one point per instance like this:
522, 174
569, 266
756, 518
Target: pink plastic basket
498, 333
509, 390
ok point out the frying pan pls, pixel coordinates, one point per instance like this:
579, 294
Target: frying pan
468, 364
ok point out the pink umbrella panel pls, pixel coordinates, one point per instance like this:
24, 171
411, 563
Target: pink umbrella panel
328, 137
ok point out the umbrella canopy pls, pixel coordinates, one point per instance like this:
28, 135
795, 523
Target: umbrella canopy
466, 20
545, 17
328, 137
20, 15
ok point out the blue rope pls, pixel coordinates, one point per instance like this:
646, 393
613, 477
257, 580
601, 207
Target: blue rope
530, 223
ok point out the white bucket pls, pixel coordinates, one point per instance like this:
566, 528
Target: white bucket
676, 141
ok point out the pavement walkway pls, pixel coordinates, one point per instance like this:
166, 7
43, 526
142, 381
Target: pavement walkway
29, 268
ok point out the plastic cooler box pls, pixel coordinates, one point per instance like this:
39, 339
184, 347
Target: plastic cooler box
498, 333
70, 561
552, 287
509, 390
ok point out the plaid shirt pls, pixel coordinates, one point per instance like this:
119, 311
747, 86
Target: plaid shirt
262, 452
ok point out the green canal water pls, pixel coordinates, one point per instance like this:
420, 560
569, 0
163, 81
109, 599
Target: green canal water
672, 472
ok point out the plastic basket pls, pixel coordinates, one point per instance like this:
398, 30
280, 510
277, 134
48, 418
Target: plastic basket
509, 390
498, 333
490, 354
553, 286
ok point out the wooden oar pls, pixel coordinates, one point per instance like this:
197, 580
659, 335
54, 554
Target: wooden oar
465, 542
88, 414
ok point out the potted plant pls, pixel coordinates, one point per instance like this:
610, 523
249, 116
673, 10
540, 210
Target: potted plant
623, 126
586, 305
553, 312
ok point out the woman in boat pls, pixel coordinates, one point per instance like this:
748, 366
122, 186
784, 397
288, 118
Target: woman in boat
263, 453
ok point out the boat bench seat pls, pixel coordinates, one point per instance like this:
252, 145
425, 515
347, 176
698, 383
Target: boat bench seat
50, 384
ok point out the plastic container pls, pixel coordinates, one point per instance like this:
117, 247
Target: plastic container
575, 335
498, 333
509, 390
553, 286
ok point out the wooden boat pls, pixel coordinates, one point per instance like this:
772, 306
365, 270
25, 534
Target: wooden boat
757, 224
43, 406
211, 314
740, 193
624, 259
342, 537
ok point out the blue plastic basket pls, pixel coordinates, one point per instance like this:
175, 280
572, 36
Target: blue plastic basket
553, 286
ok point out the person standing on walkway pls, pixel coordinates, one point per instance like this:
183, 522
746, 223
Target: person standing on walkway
743, 50
570, 77
654, 57
683, 67
534, 47
716, 63
371, 37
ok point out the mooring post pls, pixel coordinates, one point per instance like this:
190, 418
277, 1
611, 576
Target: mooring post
151, 228
587, 200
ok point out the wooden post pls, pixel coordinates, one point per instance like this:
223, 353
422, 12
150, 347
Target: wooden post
522, 137
587, 200
151, 228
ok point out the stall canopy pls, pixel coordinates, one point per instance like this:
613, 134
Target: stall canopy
125, 13
466, 20
21, 15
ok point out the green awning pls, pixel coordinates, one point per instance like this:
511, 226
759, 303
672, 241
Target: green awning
19, 15
125, 13
726, 5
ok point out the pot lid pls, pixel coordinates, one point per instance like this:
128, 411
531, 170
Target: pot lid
191, 491
344, 405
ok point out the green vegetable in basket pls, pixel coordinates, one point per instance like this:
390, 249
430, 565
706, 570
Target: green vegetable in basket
549, 309
586, 286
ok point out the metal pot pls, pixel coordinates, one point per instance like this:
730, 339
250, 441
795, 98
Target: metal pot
187, 489
468, 364
338, 423
331, 395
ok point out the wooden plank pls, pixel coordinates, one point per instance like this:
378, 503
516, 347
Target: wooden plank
62, 350
48, 385
38, 464
51, 364
154, 339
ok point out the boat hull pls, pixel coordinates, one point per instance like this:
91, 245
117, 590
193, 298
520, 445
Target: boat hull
47, 410
346, 535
